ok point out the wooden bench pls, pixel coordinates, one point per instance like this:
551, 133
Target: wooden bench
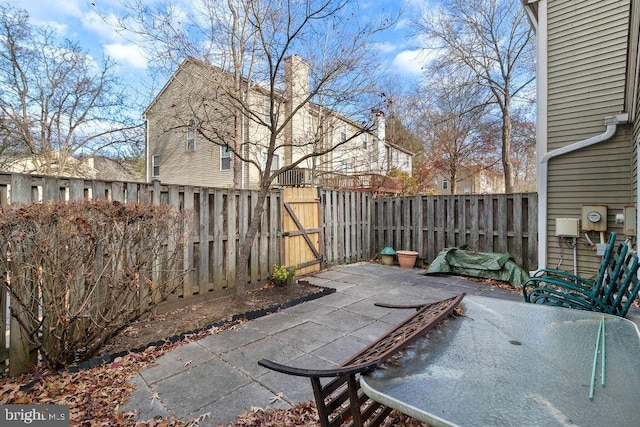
341, 401
612, 291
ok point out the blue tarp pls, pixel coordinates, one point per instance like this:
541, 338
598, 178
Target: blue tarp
488, 265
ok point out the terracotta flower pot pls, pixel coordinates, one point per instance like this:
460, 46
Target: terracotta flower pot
407, 259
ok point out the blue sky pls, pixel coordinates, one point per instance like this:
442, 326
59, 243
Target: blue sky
79, 20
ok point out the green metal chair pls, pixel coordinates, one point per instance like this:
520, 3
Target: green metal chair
613, 290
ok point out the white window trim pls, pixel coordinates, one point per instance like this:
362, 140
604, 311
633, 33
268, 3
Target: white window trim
275, 162
225, 154
155, 163
191, 130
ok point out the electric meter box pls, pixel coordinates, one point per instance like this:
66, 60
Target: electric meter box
567, 227
594, 218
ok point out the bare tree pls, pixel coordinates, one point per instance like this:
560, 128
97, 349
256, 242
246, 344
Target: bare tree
492, 39
56, 101
524, 153
454, 133
236, 56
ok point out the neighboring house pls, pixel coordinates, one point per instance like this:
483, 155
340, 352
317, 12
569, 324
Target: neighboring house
109, 169
94, 167
73, 167
177, 153
469, 181
588, 129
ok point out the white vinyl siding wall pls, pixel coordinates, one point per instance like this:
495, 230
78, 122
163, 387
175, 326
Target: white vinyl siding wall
587, 51
178, 165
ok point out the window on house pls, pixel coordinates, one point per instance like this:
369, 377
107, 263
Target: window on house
155, 165
225, 158
266, 106
308, 125
445, 184
275, 162
191, 136
343, 132
365, 140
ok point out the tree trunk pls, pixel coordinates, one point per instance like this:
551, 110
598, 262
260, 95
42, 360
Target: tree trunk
507, 166
452, 183
237, 148
242, 267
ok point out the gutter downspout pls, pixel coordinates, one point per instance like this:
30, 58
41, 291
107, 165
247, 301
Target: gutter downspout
611, 122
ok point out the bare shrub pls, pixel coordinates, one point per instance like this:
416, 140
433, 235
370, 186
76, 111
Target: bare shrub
77, 272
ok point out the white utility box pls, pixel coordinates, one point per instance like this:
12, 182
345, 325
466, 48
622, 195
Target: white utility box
567, 227
629, 220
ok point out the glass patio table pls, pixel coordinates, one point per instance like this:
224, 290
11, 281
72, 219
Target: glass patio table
512, 363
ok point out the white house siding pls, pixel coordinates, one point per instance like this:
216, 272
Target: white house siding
587, 59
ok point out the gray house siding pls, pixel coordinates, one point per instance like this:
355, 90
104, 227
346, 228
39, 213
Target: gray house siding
167, 137
587, 66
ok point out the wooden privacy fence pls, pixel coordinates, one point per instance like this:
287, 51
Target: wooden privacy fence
220, 221
216, 227
346, 229
320, 227
486, 223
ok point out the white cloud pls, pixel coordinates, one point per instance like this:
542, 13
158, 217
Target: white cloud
385, 47
410, 61
127, 54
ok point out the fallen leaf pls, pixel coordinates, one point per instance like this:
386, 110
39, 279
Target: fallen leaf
277, 398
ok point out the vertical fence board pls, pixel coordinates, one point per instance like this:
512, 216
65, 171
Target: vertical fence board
356, 240
232, 231
347, 227
451, 221
488, 226
20, 189
76, 189
367, 227
203, 239
501, 243
461, 221
219, 237
474, 229
189, 235
255, 267
263, 237
517, 249
334, 225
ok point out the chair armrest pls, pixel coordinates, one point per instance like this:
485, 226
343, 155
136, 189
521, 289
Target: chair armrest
407, 306
317, 373
556, 297
564, 276
548, 281
400, 306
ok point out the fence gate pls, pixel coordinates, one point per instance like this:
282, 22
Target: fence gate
301, 229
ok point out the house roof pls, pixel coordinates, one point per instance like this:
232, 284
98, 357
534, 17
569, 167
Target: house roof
531, 7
